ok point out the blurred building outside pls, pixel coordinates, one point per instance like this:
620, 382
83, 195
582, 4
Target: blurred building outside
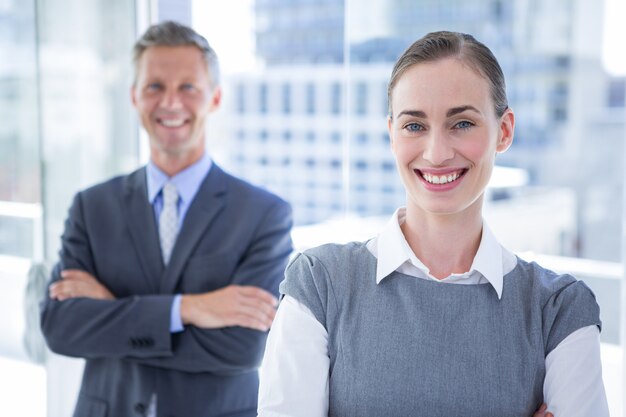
309, 123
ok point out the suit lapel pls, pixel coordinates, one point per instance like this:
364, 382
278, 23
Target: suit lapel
206, 205
139, 216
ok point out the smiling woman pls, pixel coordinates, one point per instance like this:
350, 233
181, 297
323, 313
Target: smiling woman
455, 134
433, 316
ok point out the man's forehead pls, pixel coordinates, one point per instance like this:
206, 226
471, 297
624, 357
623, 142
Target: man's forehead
172, 55
172, 60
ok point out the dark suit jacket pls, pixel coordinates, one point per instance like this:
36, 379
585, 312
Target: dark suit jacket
233, 233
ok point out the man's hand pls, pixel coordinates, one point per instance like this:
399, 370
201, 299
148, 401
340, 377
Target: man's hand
542, 411
77, 283
235, 305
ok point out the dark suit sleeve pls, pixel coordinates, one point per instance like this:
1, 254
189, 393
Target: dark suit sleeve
135, 326
237, 349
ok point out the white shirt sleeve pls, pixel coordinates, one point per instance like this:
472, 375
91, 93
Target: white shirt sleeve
573, 384
295, 368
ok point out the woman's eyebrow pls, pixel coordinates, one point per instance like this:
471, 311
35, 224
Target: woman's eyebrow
461, 109
451, 112
414, 113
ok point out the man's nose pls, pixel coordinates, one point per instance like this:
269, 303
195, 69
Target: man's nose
171, 99
438, 148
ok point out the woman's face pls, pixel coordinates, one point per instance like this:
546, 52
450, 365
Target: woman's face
445, 134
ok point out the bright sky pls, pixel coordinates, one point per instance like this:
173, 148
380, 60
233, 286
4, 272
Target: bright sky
614, 49
228, 26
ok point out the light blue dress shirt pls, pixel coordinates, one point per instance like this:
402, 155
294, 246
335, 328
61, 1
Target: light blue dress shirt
187, 183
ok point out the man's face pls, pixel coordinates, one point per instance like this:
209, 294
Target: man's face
173, 95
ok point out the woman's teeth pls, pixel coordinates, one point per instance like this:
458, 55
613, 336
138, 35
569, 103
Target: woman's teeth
441, 179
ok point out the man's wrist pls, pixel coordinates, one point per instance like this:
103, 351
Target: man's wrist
186, 309
176, 322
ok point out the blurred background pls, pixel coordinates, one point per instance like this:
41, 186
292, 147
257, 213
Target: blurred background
304, 115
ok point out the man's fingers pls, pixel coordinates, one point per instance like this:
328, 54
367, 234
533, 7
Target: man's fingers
541, 412
54, 291
72, 288
262, 306
61, 291
258, 307
70, 273
259, 293
76, 274
234, 305
258, 316
252, 322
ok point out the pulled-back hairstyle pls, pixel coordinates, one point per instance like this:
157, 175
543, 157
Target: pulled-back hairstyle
171, 33
438, 45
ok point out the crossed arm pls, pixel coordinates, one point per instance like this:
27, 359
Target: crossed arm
234, 305
225, 328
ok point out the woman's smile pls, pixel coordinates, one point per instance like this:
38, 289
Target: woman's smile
440, 180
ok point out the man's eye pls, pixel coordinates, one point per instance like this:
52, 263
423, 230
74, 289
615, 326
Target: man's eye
153, 87
187, 87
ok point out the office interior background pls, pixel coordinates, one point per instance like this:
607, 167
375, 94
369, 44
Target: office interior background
304, 114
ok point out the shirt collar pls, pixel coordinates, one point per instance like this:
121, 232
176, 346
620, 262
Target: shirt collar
186, 181
392, 250
488, 260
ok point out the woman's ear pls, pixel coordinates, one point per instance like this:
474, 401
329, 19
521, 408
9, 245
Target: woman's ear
506, 133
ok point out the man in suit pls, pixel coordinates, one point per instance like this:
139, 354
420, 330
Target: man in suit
167, 277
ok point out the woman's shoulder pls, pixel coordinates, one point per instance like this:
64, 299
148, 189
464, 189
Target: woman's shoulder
316, 275
550, 286
329, 261
566, 303
332, 254
541, 278
327, 265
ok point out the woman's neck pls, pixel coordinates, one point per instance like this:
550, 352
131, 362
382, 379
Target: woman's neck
446, 244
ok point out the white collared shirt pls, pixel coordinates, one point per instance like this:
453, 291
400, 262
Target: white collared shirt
395, 254
294, 375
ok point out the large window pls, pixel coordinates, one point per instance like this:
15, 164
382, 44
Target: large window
19, 131
304, 114
20, 198
556, 195
65, 123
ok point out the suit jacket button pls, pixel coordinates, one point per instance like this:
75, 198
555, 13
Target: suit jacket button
140, 408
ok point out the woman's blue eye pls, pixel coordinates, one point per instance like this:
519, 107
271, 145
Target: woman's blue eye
464, 125
153, 86
187, 87
414, 127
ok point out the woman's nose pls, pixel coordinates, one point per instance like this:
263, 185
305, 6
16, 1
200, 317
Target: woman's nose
438, 148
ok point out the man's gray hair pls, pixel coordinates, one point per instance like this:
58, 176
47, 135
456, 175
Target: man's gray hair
171, 33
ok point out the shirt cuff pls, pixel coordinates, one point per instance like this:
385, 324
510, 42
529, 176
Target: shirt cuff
176, 322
